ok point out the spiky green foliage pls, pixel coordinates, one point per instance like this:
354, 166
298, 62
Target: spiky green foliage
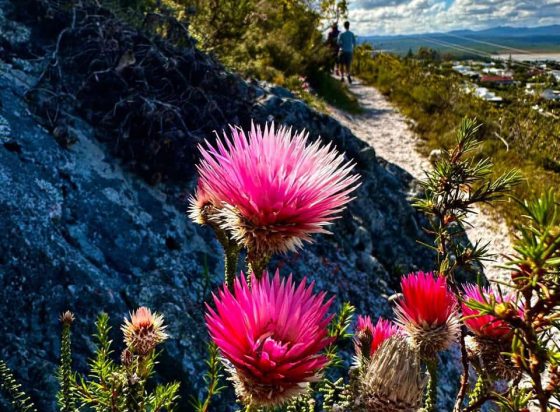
212, 379
338, 329
457, 182
478, 392
336, 395
164, 398
536, 280
13, 392
98, 391
304, 403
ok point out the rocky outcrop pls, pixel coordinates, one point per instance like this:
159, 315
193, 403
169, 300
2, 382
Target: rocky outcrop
83, 228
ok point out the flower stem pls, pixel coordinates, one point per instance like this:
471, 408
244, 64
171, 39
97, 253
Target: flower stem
231, 256
256, 263
431, 394
65, 398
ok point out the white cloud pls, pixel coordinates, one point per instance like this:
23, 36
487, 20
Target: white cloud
421, 16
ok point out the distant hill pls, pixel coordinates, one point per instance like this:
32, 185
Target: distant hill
463, 42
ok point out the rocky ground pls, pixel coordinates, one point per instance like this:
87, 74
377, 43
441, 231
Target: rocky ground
87, 226
389, 133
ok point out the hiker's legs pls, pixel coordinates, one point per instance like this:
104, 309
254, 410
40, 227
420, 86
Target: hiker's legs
336, 65
344, 64
348, 62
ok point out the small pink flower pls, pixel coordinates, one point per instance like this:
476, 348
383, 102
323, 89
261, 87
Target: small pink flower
273, 189
427, 312
144, 331
372, 336
271, 334
487, 326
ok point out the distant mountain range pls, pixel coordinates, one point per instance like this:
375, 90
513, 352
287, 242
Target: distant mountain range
463, 42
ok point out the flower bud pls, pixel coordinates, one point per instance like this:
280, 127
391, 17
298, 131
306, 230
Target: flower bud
67, 318
393, 380
488, 354
144, 331
127, 357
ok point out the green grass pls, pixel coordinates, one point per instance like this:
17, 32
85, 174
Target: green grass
335, 93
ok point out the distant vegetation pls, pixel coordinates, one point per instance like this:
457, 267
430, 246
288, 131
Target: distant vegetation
434, 97
279, 41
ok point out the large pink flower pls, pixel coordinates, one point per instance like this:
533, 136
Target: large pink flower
272, 333
272, 188
486, 326
373, 336
427, 312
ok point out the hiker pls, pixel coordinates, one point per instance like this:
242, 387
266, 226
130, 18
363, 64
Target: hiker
347, 43
332, 42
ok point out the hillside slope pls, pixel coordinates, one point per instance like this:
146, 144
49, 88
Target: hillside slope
93, 220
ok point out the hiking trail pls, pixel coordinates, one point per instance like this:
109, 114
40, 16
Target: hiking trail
384, 128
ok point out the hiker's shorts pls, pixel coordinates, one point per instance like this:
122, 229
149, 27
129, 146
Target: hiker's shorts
346, 58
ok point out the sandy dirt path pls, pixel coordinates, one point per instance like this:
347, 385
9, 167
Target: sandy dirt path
388, 132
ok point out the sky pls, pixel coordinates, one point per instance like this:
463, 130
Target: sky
380, 17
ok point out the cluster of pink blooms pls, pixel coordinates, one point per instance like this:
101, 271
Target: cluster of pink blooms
491, 336
270, 190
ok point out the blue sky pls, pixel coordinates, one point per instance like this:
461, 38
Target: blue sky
421, 16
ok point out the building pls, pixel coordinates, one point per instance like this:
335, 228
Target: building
486, 94
465, 70
482, 92
496, 71
496, 80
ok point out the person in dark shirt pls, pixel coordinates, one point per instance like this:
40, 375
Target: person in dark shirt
332, 42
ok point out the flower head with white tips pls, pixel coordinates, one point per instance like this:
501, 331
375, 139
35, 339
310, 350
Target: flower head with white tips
271, 335
270, 188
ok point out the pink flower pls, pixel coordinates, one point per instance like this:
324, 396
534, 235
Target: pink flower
369, 338
273, 188
271, 333
427, 312
487, 326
